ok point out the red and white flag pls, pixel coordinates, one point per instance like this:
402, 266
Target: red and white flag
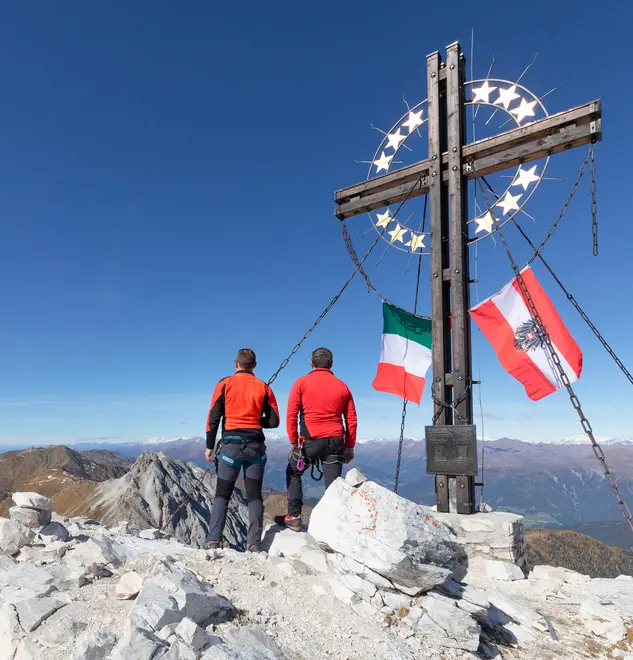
507, 323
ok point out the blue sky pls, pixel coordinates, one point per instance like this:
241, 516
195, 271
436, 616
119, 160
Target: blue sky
166, 187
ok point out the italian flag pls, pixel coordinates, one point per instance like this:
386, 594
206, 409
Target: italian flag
507, 323
405, 354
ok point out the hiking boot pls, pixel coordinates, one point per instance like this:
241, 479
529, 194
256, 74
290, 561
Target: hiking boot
291, 522
211, 545
253, 547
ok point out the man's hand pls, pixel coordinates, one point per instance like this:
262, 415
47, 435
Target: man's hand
208, 454
348, 454
293, 448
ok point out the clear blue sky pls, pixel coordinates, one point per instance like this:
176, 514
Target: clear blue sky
166, 182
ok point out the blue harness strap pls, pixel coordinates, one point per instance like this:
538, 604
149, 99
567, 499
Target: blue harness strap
237, 463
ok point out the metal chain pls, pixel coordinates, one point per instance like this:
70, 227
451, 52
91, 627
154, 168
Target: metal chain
597, 449
594, 206
578, 308
405, 402
453, 406
565, 206
359, 268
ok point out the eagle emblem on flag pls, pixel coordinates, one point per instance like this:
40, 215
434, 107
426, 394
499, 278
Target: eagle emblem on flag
528, 336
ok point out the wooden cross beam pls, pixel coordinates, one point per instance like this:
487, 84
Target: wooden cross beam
551, 135
444, 175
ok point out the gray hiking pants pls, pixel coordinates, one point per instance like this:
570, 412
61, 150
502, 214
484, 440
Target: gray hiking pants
330, 451
233, 456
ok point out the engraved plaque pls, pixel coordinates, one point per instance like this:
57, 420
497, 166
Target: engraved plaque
451, 450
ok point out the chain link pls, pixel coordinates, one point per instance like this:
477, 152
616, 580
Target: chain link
594, 206
561, 213
578, 308
597, 449
359, 268
400, 444
441, 405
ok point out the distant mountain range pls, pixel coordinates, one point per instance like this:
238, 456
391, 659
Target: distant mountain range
558, 484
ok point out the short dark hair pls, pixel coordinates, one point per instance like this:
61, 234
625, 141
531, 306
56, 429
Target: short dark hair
322, 358
246, 358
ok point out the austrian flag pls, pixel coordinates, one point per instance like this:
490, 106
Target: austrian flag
507, 323
405, 354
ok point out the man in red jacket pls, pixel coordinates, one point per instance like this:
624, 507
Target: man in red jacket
319, 402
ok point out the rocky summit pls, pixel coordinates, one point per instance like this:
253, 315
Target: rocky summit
152, 491
375, 576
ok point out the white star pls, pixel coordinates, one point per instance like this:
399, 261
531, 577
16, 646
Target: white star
396, 139
415, 120
524, 110
526, 177
509, 203
397, 233
416, 242
506, 96
383, 162
485, 222
384, 219
482, 94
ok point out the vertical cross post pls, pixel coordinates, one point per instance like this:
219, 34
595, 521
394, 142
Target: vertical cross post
450, 279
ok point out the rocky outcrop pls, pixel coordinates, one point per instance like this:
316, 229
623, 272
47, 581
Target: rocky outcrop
149, 494
386, 533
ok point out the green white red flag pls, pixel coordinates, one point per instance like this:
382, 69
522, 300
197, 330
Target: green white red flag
506, 321
405, 354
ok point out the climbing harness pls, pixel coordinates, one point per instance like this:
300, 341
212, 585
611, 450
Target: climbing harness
303, 461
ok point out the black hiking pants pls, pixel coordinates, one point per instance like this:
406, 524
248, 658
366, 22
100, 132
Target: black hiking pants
232, 458
330, 451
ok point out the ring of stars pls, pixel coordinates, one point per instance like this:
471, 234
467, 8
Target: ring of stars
514, 101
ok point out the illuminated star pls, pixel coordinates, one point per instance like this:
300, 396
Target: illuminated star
524, 110
383, 162
506, 96
396, 139
509, 203
485, 222
416, 242
526, 177
383, 219
482, 94
414, 120
397, 233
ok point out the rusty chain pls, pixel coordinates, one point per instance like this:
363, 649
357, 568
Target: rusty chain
359, 268
561, 213
594, 206
575, 401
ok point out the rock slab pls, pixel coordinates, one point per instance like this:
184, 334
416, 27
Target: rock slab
388, 534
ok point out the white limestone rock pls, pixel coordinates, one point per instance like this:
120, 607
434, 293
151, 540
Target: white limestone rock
94, 645
96, 554
173, 593
152, 533
138, 643
13, 536
29, 554
29, 517
54, 531
289, 567
355, 478
129, 585
387, 533
495, 570
62, 632
33, 611
245, 644
366, 590
364, 609
548, 573
287, 543
316, 559
343, 592
33, 501
447, 625
11, 631
24, 581
192, 634
602, 620
180, 651
53, 552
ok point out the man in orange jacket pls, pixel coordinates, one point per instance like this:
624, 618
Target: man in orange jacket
320, 403
245, 405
